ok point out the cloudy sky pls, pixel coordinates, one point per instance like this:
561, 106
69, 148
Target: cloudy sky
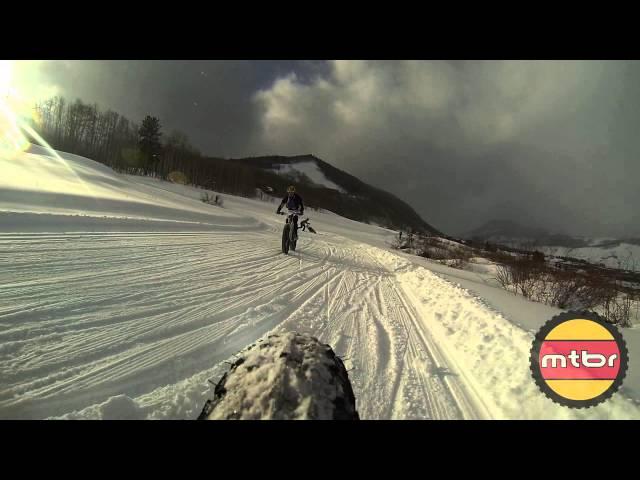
553, 144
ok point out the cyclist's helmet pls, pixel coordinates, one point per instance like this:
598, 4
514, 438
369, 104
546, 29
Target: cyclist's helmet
291, 189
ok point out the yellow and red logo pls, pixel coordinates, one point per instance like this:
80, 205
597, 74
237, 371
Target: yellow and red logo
578, 359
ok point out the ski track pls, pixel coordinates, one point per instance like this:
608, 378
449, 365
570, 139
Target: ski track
85, 317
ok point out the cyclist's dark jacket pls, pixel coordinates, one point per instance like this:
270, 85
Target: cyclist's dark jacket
293, 203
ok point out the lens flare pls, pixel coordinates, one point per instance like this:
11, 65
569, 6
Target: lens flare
12, 140
17, 115
5, 76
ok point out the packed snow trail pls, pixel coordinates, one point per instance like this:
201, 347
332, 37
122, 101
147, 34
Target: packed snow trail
126, 308
87, 317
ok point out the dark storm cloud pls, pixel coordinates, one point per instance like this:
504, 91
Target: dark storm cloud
210, 101
550, 144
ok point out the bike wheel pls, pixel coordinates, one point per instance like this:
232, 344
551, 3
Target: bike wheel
285, 239
301, 379
293, 237
293, 241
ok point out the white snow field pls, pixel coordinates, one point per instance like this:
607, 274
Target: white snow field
121, 296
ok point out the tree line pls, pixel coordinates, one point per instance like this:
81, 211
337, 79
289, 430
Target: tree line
140, 149
144, 149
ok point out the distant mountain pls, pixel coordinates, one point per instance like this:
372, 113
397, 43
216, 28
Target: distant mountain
610, 252
325, 186
512, 233
508, 229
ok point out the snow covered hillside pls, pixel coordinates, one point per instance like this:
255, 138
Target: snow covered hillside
310, 170
614, 254
121, 296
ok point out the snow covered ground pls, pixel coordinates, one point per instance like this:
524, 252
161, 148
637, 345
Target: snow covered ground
121, 296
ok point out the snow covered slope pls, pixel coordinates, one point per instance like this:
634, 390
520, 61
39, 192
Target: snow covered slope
40, 192
614, 255
310, 170
121, 296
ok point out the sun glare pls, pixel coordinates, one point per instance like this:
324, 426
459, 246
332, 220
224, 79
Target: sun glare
12, 141
20, 89
5, 76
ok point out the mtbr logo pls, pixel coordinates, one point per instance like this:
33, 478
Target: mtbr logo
578, 359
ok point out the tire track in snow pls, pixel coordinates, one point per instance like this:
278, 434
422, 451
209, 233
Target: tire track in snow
114, 353
89, 319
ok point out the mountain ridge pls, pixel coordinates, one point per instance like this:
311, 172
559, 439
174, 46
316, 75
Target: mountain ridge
359, 200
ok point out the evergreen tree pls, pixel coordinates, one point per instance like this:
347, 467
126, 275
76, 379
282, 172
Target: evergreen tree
149, 141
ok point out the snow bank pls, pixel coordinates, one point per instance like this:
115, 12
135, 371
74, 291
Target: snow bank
492, 353
119, 407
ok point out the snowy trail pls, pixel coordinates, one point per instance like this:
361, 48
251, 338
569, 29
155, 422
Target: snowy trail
81, 321
397, 370
125, 308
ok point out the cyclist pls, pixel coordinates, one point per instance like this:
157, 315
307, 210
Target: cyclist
293, 201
